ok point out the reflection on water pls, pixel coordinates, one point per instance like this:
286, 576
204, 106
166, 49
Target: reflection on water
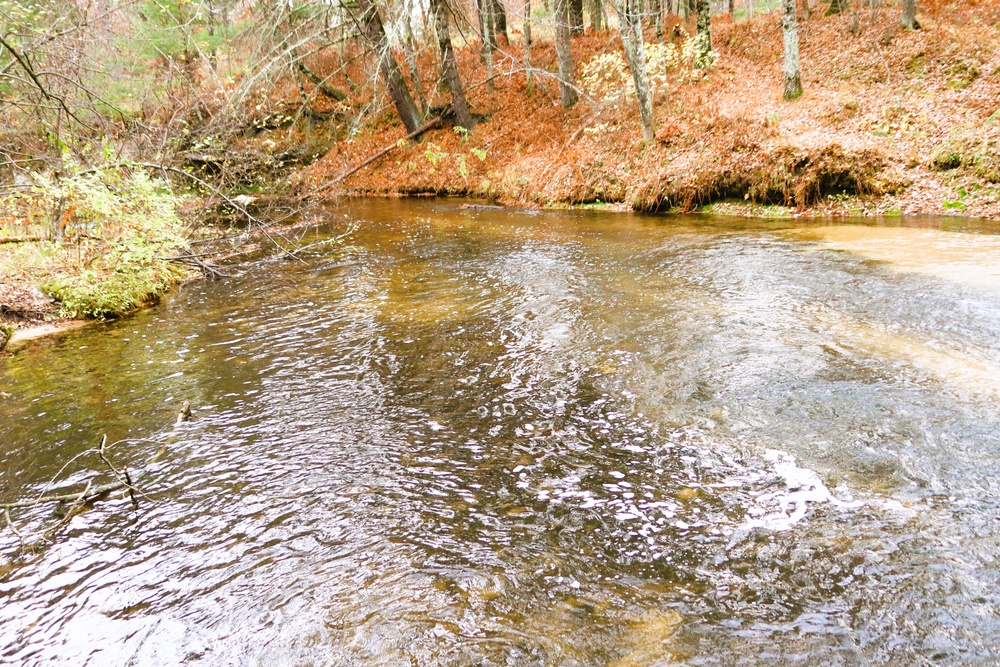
492, 438
962, 258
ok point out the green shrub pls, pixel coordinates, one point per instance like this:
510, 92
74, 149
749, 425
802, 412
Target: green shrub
111, 231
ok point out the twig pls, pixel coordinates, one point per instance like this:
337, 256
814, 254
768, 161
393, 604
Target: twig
184, 414
77, 503
189, 260
13, 528
121, 477
385, 151
22, 239
125, 479
22, 60
88, 494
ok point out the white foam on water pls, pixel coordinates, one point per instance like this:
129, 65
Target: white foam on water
780, 510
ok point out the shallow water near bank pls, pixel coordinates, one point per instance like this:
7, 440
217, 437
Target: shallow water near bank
471, 437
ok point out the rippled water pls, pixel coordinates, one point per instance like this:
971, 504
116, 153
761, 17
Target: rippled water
492, 438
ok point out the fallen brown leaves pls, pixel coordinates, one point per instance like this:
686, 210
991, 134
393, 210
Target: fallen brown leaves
891, 119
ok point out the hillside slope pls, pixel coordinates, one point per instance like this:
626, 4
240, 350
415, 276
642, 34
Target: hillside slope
891, 121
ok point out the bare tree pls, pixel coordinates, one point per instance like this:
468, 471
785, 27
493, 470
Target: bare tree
388, 67
910, 15
703, 36
838, 7
527, 45
487, 30
499, 22
656, 17
410, 53
630, 26
564, 54
449, 68
596, 10
793, 76
576, 16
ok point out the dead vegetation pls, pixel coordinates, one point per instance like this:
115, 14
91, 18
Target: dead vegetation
892, 120
787, 176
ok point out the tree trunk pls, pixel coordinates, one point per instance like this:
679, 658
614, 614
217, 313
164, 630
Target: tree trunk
732, 7
481, 10
703, 37
411, 59
596, 15
564, 54
910, 15
527, 45
838, 7
319, 82
449, 68
388, 68
630, 13
499, 22
576, 16
656, 18
793, 74
487, 29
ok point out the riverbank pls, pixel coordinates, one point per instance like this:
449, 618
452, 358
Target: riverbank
892, 122
90, 243
30, 307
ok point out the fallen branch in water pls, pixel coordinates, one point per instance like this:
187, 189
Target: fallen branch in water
124, 480
192, 260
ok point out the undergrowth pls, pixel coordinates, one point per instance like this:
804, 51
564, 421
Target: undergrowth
976, 148
104, 235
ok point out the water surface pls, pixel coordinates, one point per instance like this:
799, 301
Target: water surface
467, 437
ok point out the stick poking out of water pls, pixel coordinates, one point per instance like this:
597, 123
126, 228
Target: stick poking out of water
123, 480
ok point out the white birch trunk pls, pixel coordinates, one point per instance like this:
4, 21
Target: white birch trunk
630, 27
793, 73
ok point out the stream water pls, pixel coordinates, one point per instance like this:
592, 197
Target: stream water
470, 437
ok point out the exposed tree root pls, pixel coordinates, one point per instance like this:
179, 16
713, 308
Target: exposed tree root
788, 176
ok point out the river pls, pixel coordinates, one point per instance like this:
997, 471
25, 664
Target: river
473, 437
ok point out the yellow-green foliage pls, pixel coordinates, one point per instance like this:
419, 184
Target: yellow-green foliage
607, 76
115, 227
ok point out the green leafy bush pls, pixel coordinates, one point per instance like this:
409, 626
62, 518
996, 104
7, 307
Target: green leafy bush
111, 230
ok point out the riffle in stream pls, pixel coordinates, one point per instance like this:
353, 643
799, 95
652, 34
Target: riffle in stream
470, 437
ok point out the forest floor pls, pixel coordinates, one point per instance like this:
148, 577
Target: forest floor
892, 122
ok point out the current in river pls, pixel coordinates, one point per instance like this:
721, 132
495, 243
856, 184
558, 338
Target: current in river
460, 437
